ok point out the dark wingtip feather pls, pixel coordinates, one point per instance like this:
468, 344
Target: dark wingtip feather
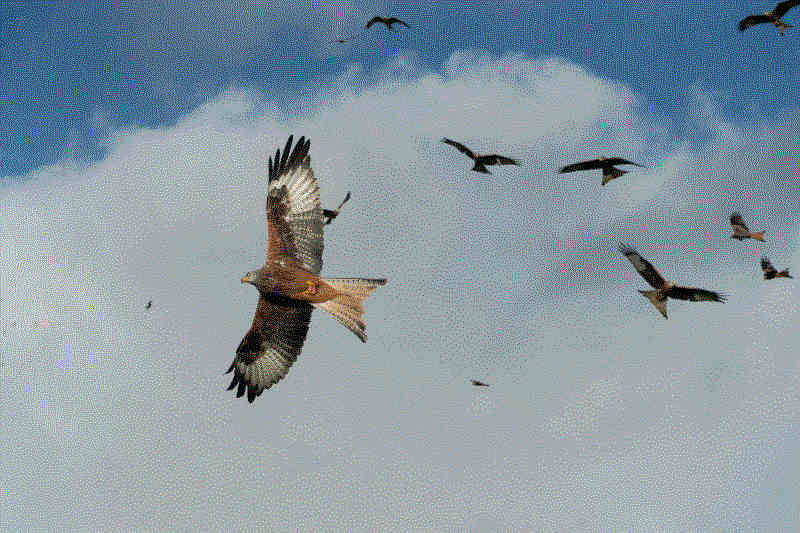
626, 249
234, 381
240, 390
231, 368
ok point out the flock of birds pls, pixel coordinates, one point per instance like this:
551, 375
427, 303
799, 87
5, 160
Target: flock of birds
290, 286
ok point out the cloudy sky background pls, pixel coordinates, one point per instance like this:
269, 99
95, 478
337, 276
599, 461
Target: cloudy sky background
134, 159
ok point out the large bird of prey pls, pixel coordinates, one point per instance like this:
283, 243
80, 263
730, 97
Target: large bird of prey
740, 231
665, 289
770, 272
386, 20
771, 17
289, 286
481, 160
604, 163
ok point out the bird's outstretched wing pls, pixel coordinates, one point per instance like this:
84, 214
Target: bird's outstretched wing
643, 267
753, 20
611, 161
495, 159
461, 148
294, 214
270, 346
738, 224
695, 295
583, 165
373, 20
782, 7
398, 21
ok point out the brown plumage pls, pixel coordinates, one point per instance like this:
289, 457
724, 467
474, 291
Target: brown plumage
604, 163
330, 214
478, 383
740, 231
481, 160
288, 284
771, 17
665, 289
770, 272
388, 21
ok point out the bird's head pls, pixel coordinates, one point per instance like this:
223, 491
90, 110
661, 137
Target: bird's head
251, 277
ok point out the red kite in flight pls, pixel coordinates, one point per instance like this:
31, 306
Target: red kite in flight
771, 17
740, 231
604, 163
770, 272
289, 286
386, 20
481, 160
665, 289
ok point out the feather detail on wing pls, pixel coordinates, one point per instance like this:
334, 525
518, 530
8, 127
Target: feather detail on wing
695, 295
782, 7
738, 224
461, 148
643, 267
294, 213
495, 159
769, 270
271, 346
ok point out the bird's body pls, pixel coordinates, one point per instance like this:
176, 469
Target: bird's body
481, 160
289, 284
771, 17
388, 21
664, 289
740, 231
606, 164
770, 272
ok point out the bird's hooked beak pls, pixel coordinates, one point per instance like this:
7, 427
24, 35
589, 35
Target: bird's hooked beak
248, 278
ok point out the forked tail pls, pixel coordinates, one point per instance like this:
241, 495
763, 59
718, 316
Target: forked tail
758, 236
347, 306
612, 174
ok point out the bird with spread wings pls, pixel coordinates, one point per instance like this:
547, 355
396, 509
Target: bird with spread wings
289, 285
740, 231
665, 289
770, 272
388, 21
481, 160
771, 17
604, 163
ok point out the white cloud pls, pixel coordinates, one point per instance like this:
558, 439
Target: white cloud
117, 417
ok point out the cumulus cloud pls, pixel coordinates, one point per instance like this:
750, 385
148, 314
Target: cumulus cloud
600, 412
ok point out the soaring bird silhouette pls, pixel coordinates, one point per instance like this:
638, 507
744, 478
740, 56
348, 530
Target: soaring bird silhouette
771, 17
149, 304
740, 231
478, 383
481, 160
330, 214
386, 20
289, 285
665, 289
604, 163
770, 272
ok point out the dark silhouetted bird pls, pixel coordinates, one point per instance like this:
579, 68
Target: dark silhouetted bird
770, 272
604, 163
740, 231
664, 288
149, 304
481, 160
478, 383
386, 20
771, 17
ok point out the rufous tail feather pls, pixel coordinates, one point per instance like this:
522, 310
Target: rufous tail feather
347, 306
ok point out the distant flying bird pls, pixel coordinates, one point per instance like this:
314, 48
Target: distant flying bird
665, 289
289, 286
604, 163
740, 231
330, 214
771, 17
478, 383
386, 20
481, 160
770, 272
149, 304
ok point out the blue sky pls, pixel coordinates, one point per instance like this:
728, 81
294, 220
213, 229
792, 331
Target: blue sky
133, 160
69, 69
